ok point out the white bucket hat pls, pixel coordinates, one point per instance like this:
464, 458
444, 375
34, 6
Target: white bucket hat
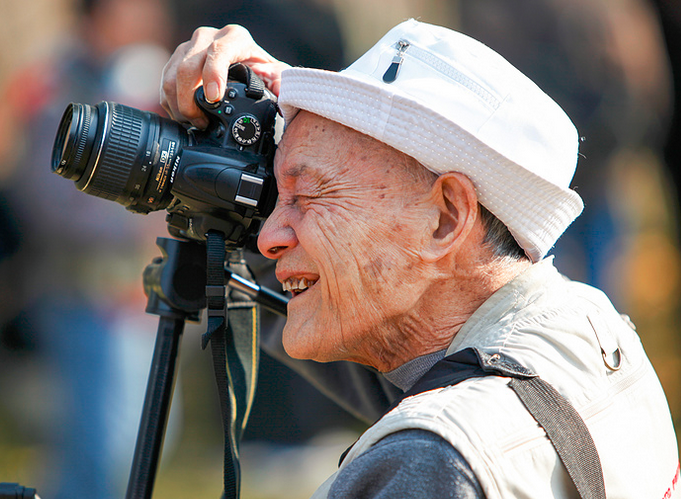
454, 104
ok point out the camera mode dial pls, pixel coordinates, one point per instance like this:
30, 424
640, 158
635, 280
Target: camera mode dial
246, 130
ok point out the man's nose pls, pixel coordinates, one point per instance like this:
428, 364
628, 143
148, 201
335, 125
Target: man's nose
276, 235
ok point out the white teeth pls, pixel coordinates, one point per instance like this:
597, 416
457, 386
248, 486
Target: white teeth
295, 284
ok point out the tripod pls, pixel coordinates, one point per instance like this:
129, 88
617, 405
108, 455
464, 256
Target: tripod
176, 289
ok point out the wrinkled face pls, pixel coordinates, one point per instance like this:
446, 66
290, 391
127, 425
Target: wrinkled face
346, 232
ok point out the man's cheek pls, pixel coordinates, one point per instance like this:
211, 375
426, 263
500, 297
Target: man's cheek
338, 248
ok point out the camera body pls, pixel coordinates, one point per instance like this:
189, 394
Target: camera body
223, 179
220, 178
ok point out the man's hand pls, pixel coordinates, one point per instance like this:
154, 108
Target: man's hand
204, 60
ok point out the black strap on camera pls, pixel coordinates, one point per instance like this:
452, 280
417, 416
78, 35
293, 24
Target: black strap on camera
233, 332
233, 329
255, 87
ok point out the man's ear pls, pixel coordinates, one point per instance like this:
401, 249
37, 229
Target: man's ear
457, 203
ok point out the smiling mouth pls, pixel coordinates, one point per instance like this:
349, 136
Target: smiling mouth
297, 286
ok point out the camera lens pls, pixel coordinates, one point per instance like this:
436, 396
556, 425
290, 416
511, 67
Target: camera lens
119, 153
73, 135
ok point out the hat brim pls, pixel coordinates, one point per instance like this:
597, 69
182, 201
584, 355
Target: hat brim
441, 145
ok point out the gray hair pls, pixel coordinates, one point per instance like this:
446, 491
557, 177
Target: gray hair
498, 238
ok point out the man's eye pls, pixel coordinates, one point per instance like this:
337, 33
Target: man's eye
297, 200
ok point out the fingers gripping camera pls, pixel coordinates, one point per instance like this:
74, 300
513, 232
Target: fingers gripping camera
219, 178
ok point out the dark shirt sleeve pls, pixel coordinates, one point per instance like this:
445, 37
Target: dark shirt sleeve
413, 464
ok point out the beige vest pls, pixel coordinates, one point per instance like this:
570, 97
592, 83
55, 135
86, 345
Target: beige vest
571, 335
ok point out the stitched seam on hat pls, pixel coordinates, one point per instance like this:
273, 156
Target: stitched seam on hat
452, 73
482, 125
387, 104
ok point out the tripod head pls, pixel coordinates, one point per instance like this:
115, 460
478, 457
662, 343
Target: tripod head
178, 286
175, 283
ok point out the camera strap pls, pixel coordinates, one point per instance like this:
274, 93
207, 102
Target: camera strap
233, 332
564, 427
255, 88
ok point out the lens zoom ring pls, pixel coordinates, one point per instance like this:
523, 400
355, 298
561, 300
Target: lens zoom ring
118, 153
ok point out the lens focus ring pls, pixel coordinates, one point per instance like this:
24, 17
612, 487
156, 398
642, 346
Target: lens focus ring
120, 145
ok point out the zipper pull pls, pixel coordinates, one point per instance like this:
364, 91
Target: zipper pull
394, 69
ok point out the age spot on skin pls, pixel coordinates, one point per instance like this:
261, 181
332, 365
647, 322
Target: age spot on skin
397, 228
374, 267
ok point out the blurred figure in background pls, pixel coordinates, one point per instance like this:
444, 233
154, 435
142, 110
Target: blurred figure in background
307, 31
669, 13
76, 280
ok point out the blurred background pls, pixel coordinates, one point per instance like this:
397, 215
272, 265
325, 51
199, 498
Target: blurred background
75, 344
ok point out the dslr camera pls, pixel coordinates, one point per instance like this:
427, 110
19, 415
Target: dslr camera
218, 179
217, 186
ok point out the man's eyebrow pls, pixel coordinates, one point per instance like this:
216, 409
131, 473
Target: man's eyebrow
312, 175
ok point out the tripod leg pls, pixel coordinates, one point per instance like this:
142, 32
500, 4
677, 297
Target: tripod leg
156, 409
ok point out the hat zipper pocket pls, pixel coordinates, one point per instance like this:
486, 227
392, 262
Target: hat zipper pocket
442, 67
393, 70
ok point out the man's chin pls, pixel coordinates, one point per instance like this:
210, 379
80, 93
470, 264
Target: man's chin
295, 344
300, 343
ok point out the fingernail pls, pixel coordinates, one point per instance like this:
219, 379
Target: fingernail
212, 92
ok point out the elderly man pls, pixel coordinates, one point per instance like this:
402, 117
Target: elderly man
419, 192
